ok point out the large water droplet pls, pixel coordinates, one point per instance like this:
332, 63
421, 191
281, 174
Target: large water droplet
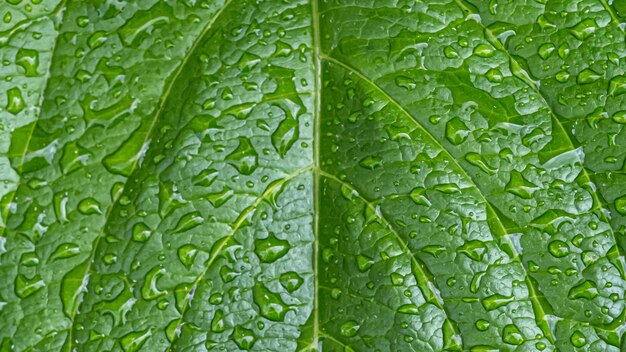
244, 338
291, 281
271, 248
29, 60
456, 131
133, 341
474, 249
244, 158
15, 101
349, 328
512, 335
149, 289
270, 304
188, 222
585, 289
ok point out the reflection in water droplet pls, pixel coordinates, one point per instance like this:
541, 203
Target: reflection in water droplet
133, 341
15, 101
456, 131
512, 335
244, 338
271, 248
291, 281
244, 158
29, 60
270, 304
349, 328
89, 206
578, 339
586, 290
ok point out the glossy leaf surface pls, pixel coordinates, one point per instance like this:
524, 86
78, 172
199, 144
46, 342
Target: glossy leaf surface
332, 175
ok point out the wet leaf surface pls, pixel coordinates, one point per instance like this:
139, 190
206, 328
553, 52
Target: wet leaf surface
354, 175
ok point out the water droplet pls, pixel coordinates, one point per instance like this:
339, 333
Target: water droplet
89, 206
227, 274
474, 249
482, 324
15, 101
270, 304
286, 135
97, 39
188, 222
141, 232
218, 324
149, 289
617, 85
496, 301
409, 309
25, 287
271, 248
578, 339
620, 205
82, 21
519, 186
405, 82
456, 131
244, 338
586, 289
620, 117
418, 196
512, 335
29, 60
545, 50
484, 50
478, 161
450, 53
29, 259
396, 279
291, 281
494, 75
220, 198
349, 328
364, 263
65, 250
371, 162
588, 76
584, 29
558, 249
244, 158
133, 341
187, 255
205, 178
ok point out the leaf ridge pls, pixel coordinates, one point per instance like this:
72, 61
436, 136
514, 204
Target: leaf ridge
504, 235
237, 224
149, 133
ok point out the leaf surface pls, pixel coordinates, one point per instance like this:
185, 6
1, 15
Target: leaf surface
312, 175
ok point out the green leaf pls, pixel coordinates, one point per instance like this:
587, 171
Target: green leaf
312, 175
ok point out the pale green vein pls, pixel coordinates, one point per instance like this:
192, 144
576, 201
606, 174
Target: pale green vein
149, 133
316, 163
236, 225
503, 235
439, 303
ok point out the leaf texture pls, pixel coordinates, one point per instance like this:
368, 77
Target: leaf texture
304, 175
